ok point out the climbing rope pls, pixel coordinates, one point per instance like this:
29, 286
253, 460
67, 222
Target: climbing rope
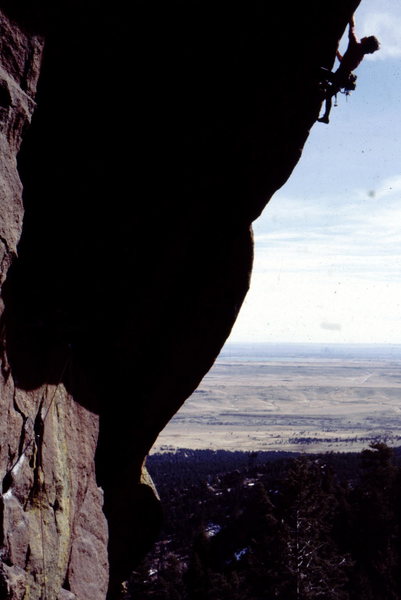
44, 568
38, 438
67, 361
30, 442
41, 475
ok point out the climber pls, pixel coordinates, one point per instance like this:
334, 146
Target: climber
344, 78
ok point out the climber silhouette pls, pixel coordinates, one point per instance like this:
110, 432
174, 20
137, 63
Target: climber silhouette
344, 78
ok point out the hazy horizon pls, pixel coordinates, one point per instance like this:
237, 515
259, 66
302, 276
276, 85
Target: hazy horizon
234, 350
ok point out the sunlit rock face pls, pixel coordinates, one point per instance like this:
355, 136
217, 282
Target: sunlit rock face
156, 138
53, 531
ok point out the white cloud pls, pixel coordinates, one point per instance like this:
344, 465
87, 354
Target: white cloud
386, 27
327, 271
319, 307
384, 22
362, 240
331, 326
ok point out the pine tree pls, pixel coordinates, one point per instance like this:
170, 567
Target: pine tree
375, 530
267, 574
319, 569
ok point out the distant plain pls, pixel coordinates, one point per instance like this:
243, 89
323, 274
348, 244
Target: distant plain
292, 398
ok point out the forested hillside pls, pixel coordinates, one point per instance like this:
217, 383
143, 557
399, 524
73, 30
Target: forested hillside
258, 526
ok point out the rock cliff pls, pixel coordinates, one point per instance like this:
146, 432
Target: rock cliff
138, 143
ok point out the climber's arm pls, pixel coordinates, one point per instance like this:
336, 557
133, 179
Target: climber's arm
351, 32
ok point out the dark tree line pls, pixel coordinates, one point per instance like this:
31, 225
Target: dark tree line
304, 528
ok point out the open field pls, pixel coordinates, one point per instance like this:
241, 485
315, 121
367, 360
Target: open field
319, 404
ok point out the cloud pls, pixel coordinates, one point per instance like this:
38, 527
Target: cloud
327, 268
331, 326
293, 307
386, 27
358, 233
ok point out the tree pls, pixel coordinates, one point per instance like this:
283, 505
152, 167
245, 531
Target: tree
375, 528
319, 569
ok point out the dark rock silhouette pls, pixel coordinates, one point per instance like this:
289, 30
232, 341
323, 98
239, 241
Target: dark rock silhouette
157, 138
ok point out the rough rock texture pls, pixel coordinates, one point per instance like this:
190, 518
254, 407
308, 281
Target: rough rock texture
136, 249
52, 527
19, 71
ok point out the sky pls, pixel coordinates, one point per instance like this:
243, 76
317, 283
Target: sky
328, 245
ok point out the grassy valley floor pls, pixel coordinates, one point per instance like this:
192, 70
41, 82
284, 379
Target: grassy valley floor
323, 404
